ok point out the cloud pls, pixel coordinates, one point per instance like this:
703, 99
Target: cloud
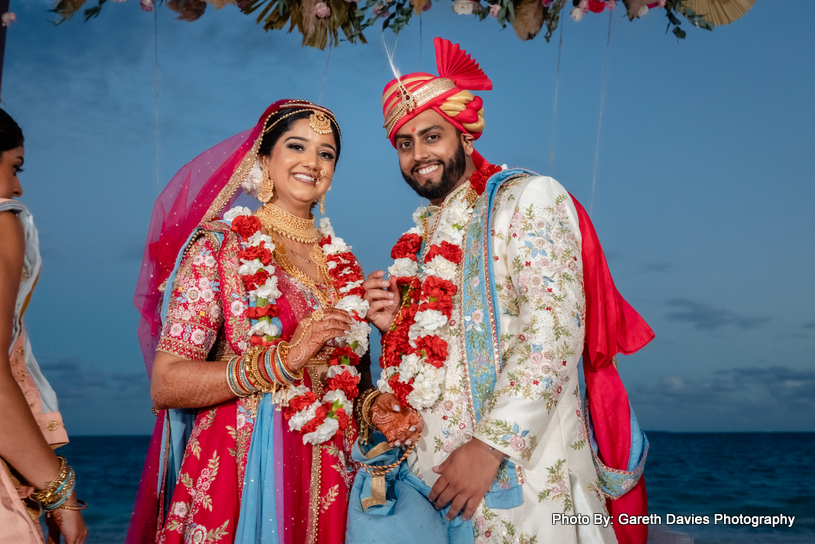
737, 399
77, 383
810, 325
706, 317
658, 267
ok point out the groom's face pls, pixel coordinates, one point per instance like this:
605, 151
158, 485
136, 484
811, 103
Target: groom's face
432, 155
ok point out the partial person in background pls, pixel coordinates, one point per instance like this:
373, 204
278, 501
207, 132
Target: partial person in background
32, 477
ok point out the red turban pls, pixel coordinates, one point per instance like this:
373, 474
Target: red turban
448, 94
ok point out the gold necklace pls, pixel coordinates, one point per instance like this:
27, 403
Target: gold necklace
324, 293
285, 224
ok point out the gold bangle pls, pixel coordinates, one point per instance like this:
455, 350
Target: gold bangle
284, 355
80, 505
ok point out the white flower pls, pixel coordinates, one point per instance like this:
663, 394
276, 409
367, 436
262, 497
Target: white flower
258, 237
643, 11
415, 230
353, 303
324, 226
339, 369
431, 320
269, 290
336, 246
418, 216
426, 387
577, 14
403, 267
251, 185
410, 366
303, 416
463, 7
264, 327
296, 391
383, 385
324, 432
235, 212
247, 268
359, 334
336, 395
441, 267
351, 285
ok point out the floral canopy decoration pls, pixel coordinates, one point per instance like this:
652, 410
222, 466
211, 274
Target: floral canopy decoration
320, 21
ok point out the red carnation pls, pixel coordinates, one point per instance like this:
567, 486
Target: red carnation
478, 181
257, 252
435, 287
317, 420
401, 390
444, 305
342, 418
270, 310
407, 247
435, 349
246, 225
345, 382
259, 341
343, 356
325, 241
597, 6
300, 402
253, 281
449, 251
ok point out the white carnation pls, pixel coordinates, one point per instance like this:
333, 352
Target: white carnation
383, 385
258, 237
441, 267
409, 367
251, 185
353, 303
359, 334
577, 14
251, 267
268, 290
296, 391
235, 212
264, 327
403, 267
324, 226
643, 11
415, 230
337, 245
463, 7
302, 417
458, 215
418, 217
426, 387
324, 432
349, 286
431, 320
335, 370
336, 395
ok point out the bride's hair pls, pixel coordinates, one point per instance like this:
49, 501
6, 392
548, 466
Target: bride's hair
11, 136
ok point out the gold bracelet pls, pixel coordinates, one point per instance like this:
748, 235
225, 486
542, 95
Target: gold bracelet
53, 485
80, 505
283, 349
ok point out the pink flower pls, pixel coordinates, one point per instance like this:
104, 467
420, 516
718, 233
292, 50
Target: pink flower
427, 6
322, 10
8, 18
611, 4
494, 9
517, 443
380, 10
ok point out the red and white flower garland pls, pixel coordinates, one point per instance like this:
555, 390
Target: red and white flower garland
415, 352
318, 419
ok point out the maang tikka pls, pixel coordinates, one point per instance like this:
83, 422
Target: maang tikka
266, 190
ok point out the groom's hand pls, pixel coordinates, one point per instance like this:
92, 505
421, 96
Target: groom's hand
466, 476
384, 299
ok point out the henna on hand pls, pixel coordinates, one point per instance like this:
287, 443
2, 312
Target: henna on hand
178, 383
312, 334
400, 425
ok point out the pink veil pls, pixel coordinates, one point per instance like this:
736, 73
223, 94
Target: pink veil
197, 193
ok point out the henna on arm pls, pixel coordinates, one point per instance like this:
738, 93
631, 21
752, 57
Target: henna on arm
179, 383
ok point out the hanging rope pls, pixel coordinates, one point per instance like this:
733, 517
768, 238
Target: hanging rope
600, 120
325, 75
554, 112
155, 98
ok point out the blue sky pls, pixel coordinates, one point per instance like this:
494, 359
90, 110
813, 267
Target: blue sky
703, 194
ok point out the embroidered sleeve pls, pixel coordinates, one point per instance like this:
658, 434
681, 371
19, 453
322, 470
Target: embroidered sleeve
544, 304
194, 315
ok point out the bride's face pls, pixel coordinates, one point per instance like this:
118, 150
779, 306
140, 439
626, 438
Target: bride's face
295, 164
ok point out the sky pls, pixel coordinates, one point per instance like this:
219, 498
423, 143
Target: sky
701, 188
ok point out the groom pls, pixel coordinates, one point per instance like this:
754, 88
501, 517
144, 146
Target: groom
493, 297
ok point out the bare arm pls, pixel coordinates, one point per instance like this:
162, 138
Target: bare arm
22, 444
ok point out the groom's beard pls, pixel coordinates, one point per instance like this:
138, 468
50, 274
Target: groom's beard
452, 170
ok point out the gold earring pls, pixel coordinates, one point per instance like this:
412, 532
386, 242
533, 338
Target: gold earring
266, 190
322, 204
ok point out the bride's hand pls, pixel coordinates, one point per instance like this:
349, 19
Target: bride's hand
312, 334
401, 426
383, 298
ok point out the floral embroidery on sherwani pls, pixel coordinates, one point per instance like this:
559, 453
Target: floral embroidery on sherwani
531, 413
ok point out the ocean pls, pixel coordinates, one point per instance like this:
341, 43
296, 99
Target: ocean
703, 474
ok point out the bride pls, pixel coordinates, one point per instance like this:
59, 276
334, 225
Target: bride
254, 326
